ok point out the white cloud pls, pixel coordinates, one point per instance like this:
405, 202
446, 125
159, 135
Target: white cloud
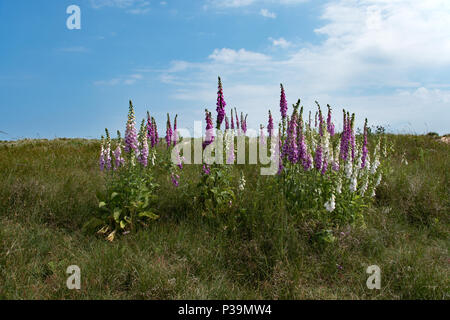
246, 3
267, 14
131, 6
241, 56
231, 3
281, 42
380, 58
126, 80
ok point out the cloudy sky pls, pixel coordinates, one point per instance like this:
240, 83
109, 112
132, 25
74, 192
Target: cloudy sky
387, 60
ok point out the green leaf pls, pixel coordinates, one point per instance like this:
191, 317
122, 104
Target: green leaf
113, 195
101, 204
117, 213
149, 215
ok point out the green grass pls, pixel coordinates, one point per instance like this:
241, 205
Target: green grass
48, 191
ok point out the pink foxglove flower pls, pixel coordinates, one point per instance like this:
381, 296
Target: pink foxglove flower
220, 105
131, 144
270, 125
209, 135
283, 103
175, 133
168, 132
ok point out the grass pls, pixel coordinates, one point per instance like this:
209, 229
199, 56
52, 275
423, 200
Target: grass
48, 191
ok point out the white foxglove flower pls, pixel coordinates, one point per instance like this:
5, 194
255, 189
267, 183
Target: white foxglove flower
330, 205
339, 186
375, 165
378, 180
242, 183
365, 185
348, 169
353, 184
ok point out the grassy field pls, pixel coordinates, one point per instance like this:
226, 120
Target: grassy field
48, 191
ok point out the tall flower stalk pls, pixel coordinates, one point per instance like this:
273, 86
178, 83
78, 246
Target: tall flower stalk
220, 105
209, 135
168, 132
131, 143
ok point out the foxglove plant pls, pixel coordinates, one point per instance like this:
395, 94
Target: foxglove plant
175, 133
108, 151
365, 150
150, 129
155, 140
220, 105
131, 144
330, 172
102, 154
143, 152
330, 124
270, 125
209, 135
237, 122
232, 120
168, 132
118, 159
283, 104
262, 138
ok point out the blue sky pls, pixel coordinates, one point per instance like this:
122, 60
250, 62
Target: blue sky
385, 60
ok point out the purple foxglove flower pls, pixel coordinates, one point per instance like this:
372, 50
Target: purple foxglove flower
292, 146
143, 144
320, 120
365, 150
330, 124
237, 119
307, 163
143, 156
175, 134
168, 132
206, 169
302, 152
335, 166
102, 156
118, 160
283, 103
318, 157
280, 167
149, 128
175, 179
108, 151
244, 123
209, 135
227, 123
345, 138
270, 125
131, 143
232, 120
324, 166
352, 135
220, 105
262, 138
154, 138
